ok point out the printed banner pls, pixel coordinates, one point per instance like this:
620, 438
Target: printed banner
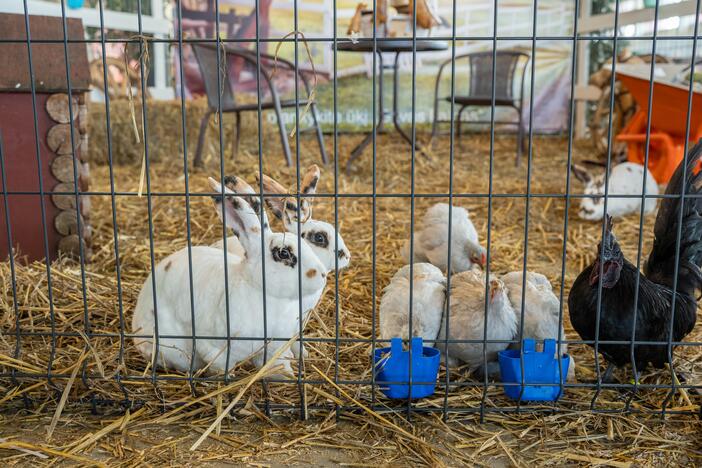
354, 71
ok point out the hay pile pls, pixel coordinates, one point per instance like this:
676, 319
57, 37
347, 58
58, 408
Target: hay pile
571, 435
164, 130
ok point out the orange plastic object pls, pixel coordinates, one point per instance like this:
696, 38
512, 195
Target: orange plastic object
668, 125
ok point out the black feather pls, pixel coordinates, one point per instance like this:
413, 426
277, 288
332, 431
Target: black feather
617, 317
660, 266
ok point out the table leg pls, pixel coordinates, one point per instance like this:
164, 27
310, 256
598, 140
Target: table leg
395, 105
378, 127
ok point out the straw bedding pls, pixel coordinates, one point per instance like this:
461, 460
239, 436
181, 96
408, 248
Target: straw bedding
145, 434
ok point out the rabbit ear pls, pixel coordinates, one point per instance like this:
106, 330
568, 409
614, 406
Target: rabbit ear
237, 184
240, 186
309, 180
276, 204
581, 173
239, 216
308, 187
285, 207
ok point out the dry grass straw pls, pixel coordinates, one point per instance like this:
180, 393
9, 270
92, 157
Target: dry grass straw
147, 435
313, 91
164, 138
144, 61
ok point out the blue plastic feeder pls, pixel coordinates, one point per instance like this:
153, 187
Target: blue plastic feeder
539, 368
75, 4
392, 365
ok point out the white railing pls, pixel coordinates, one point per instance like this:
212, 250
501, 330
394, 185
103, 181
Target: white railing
157, 25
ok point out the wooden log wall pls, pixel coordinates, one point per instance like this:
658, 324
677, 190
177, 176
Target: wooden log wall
58, 139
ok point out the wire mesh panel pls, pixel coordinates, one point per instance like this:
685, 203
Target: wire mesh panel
202, 254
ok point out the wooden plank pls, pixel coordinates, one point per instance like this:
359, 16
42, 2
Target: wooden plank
59, 139
66, 222
583, 60
64, 201
58, 108
587, 93
48, 59
62, 168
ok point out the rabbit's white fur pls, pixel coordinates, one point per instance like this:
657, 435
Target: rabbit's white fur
326, 242
431, 240
624, 179
466, 318
245, 287
541, 310
319, 235
240, 187
428, 299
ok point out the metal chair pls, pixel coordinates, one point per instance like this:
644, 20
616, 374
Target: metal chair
480, 89
206, 55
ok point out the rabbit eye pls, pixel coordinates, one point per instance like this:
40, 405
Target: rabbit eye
284, 255
318, 238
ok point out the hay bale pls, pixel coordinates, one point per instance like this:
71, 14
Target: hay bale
165, 137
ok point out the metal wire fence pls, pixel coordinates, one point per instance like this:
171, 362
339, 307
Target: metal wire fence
366, 388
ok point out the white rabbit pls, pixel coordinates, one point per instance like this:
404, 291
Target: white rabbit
320, 235
240, 187
325, 241
246, 293
466, 319
431, 240
624, 179
541, 309
428, 299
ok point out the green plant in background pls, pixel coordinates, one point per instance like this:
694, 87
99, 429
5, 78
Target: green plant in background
602, 51
697, 77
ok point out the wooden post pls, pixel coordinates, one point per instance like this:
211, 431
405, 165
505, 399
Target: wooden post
58, 108
58, 139
583, 57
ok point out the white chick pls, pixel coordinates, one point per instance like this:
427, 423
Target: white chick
428, 298
431, 240
467, 319
540, 309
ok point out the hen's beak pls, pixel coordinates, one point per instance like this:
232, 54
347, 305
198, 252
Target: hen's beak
480, 261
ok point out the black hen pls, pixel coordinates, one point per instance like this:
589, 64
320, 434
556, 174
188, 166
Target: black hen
618, 278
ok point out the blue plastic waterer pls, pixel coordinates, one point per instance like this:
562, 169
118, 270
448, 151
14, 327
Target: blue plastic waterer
75, 4
392, 365
540, 367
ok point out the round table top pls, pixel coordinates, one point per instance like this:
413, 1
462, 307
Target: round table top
423, 44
